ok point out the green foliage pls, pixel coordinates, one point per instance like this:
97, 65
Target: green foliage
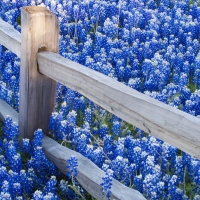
79, 118
18, 20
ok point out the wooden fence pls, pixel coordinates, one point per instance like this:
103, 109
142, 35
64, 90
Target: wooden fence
41, 67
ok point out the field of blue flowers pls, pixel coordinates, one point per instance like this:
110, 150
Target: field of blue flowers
149, 45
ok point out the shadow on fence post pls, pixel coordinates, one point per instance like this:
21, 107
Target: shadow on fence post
37, 92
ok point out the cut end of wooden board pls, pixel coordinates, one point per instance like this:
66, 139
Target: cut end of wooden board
36, 9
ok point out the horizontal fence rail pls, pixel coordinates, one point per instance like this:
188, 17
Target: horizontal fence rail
89, 175
152, 116
10, 38
6, 110
167, 123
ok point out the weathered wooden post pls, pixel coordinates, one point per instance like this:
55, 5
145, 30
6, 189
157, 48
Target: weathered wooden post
37, 91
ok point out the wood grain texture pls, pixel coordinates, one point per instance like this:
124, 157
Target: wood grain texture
89, 175
10, 38
7, 110
37, 91
163, 121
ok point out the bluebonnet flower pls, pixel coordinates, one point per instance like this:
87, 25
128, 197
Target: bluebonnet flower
37, 159
95, 131
160, 188
3, 174
138, 183
54, 124
98, 156
196, 197
89, 152
50, 196
69, 124
6, 196
108, 146
25, 181
149, 186
107, 183
64, 186
192, 105
16, 163
116, 128
17, 189
37, 140
135, 83
88, 116
72, 166
179, 169
50, 186
130, 144
154, 148
7, 129
119, 166
38, 195
110, 28
26, 145
87, 48
5, 186
2, 161
172, 186
119, 148
7, 74
103, 130
63, 130
10, 151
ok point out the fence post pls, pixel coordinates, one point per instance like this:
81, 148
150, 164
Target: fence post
37, 92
